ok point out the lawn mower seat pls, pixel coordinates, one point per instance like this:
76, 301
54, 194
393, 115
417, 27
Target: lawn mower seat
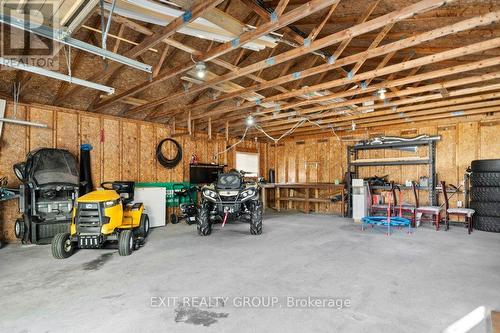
125, 190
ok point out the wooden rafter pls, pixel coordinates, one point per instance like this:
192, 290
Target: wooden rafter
280, 8
318, 44
474, 48
460, 105
317, 29
371, 53
343, 45
399, 82
113, 76
265, 15
198, 8
163, 56
405, 65
284, 20
396, 107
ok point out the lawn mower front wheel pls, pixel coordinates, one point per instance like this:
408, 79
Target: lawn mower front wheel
62, 247
125, 243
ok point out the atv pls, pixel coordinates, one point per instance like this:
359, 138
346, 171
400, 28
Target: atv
230, 198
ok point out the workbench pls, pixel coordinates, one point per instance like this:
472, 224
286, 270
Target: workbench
309, 194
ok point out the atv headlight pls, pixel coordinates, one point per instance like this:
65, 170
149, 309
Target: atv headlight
211, 195
247, 194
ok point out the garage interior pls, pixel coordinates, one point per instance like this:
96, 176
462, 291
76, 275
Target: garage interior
250, 165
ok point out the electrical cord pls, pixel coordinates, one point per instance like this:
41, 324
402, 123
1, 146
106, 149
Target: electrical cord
169, 163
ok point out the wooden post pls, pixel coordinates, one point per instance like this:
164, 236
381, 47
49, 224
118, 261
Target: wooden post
189, 123
210, 128
227, 131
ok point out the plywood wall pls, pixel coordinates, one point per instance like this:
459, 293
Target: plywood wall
325, 159
123, 149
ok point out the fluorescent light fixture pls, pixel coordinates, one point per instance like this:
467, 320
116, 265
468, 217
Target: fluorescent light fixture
55, 75
200, 27
201, 69
62, 37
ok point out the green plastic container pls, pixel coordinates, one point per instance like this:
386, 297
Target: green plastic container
171, 199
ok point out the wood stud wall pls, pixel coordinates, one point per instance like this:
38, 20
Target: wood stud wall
123, 149
324, 159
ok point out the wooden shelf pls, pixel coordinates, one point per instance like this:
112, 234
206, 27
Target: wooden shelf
391, 161
309, 194
314, 200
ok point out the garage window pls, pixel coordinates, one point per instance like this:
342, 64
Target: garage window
248, 162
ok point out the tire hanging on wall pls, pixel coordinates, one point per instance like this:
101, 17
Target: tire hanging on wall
169, 163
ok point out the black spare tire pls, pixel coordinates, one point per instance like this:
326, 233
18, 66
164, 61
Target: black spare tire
492, 165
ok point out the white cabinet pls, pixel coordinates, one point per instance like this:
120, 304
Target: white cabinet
154, 200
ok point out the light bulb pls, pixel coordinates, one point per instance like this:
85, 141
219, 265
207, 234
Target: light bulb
250, 121
381, 93
200, 69
200, 74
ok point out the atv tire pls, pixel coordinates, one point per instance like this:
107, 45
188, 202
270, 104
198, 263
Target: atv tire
485, 179
203, 221
144, 226
26, 236
492, 165
486, 208
485, 194
125, 243
62, 246
487, 223
256, 219
19, 228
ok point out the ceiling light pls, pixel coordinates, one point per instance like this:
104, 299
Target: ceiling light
201, 69
250, 120
353, 126
381, 93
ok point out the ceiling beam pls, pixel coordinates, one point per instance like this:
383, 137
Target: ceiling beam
280, 7
478, 47
371, 53
317, 29
401, 82
393, 108
285, 19
198, 8
318, 44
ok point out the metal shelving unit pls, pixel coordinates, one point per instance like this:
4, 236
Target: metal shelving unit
353, 153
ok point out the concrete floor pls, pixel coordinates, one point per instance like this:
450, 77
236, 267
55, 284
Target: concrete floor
413, 283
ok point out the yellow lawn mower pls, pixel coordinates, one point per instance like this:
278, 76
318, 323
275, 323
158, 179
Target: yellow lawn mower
105, 215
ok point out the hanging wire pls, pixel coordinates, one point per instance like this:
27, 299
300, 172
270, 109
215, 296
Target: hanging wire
299, 123
234, 145
17, 92
67, 54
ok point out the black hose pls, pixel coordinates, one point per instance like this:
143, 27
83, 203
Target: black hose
167, 163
